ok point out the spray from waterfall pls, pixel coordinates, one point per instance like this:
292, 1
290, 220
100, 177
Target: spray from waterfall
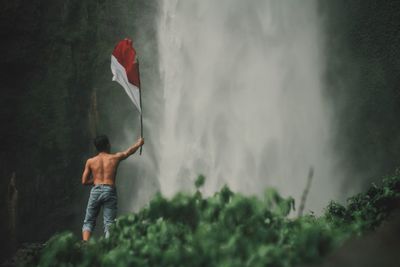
243, 97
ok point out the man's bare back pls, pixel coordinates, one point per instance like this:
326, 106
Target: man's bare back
102, 169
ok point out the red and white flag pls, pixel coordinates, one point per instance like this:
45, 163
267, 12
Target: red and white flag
125, 68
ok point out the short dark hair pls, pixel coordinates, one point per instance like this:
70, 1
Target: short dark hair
101, 143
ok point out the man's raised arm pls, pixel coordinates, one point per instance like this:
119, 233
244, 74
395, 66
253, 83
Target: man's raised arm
131, 150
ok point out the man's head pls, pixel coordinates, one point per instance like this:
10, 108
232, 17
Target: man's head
102, 144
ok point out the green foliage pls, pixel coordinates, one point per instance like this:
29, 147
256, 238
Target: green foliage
200, 181
227, 229
62, 248
365, 211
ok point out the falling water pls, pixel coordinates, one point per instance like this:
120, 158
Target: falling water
243, 98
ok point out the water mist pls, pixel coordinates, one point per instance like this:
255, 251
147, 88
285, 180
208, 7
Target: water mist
243, 98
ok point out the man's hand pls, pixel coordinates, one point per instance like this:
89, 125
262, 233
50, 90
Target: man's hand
140, 141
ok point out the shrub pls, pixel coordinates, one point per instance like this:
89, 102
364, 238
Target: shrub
227, 229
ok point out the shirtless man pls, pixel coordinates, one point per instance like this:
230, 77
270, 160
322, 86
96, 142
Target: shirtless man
101, 171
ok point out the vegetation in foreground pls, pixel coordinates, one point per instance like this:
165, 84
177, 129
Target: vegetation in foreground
227, 229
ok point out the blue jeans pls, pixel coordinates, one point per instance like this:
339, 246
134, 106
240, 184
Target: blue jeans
101, 196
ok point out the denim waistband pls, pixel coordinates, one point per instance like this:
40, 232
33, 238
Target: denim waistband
103, 185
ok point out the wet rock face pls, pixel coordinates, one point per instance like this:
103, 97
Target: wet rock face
363, 84
54, 54
379, 248
12, 212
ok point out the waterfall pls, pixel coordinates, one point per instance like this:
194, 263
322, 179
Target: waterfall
243, 98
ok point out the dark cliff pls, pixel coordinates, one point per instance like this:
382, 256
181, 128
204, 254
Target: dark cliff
55, 78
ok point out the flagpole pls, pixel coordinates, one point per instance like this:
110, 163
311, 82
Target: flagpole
141, 109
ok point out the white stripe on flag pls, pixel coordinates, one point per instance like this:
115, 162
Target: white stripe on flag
120, 76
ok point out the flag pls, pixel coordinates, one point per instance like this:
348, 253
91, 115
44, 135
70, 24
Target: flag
125, 70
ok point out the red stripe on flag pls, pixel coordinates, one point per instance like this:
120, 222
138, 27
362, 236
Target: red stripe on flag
126, 56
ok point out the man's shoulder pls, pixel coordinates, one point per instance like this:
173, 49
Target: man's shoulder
109, 156
92, 159
116, 155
